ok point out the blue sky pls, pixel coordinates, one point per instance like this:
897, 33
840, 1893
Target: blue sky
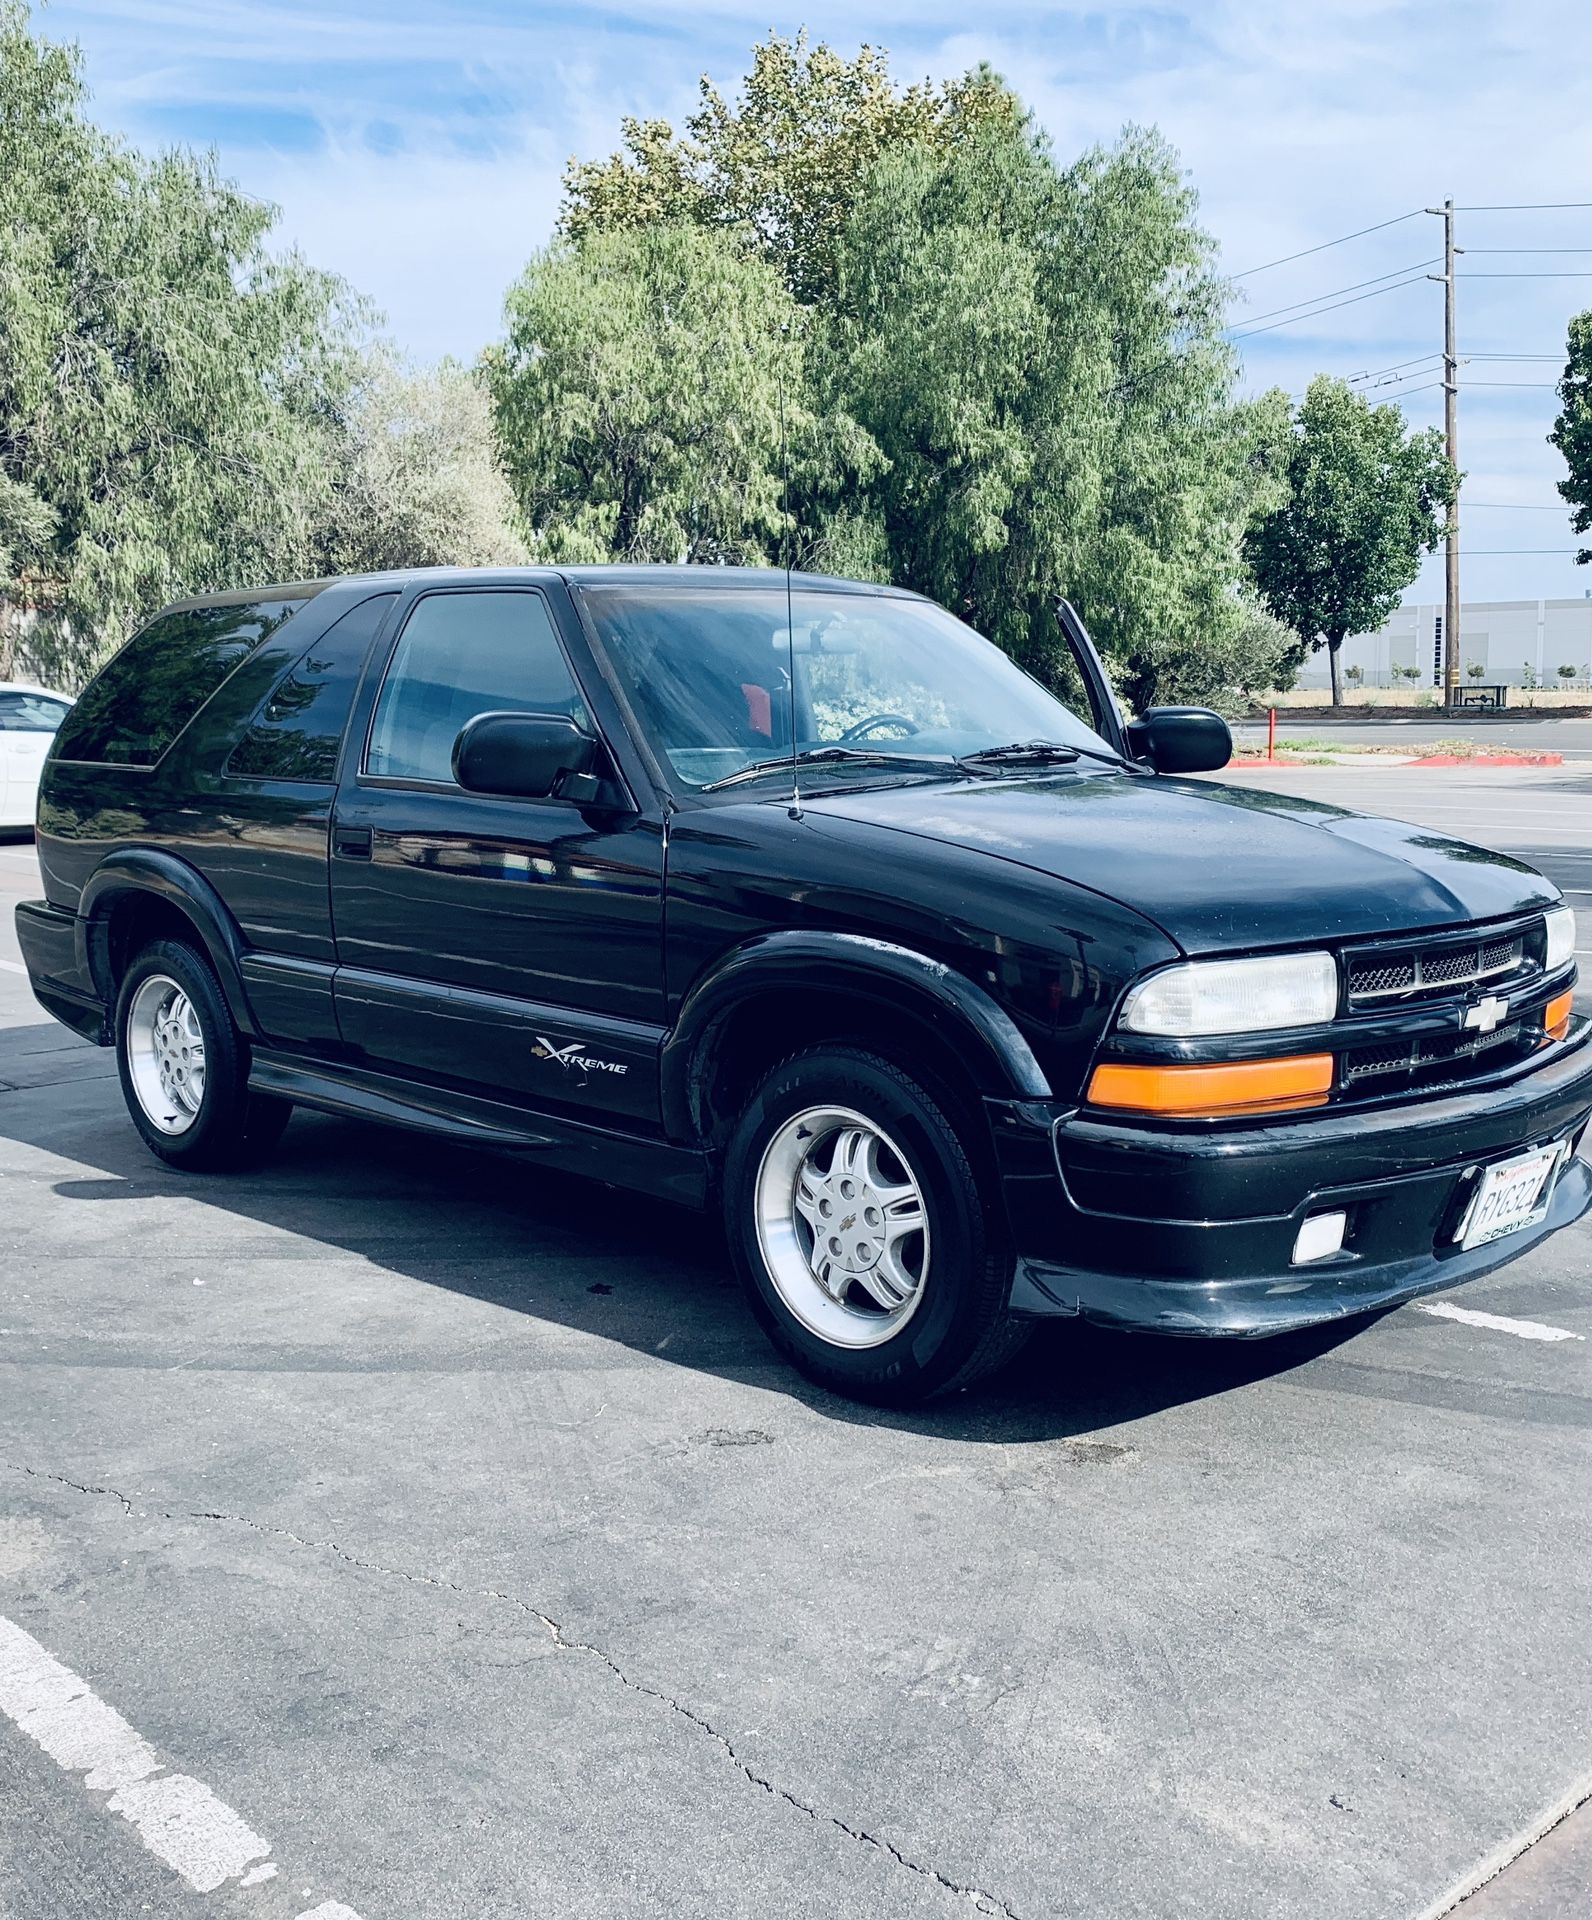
415, 146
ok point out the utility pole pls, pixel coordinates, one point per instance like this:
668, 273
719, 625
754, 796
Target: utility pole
1451, 431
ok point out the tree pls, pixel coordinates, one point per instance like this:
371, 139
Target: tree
1009, 379
167, 386
1572, 431
782, 164
1249, 654
650, 395
416, 478
1037, 353
1364, 499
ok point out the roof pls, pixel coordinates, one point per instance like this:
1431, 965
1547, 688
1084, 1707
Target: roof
698, 576
583, 576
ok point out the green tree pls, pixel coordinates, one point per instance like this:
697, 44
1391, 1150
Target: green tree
649, 396
1572, 431
780, 165
416, 480
167, 386
1037, 353
1364, 499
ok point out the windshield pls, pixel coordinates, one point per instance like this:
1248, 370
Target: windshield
708, 674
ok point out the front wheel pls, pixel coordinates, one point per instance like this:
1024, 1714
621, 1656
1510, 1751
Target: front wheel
859, 1231
185, 1067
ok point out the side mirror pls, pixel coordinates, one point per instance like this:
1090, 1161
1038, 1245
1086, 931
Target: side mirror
1181, 739
528, 756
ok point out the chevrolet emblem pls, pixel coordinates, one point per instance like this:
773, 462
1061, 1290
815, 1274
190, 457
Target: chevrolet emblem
1486, 1014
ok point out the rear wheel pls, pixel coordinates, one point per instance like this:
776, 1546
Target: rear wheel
860, 1232
185, 1067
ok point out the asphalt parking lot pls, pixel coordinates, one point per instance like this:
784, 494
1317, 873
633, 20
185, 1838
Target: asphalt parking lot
398, 1532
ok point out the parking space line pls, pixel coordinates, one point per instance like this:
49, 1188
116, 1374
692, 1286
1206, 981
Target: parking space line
1496, 1322
13, 966
186, 1826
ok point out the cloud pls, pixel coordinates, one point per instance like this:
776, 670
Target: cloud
416, 148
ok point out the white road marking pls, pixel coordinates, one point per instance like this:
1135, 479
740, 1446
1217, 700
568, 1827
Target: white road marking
1523, 1329
178, 1818
13, 966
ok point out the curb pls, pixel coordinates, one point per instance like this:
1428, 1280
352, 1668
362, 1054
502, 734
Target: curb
1489, 760
1390, 762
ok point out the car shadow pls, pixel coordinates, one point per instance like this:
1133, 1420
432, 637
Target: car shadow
651, 1276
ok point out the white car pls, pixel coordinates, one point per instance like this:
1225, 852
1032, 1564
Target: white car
29, 717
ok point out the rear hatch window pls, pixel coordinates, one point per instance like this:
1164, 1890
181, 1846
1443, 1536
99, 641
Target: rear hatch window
130, 713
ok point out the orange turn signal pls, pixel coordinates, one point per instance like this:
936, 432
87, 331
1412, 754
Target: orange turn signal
1556, 1015
1243, 1086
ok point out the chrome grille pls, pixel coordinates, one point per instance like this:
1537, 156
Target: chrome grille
1434, 968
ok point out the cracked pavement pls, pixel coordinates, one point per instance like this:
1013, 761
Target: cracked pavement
455, 1525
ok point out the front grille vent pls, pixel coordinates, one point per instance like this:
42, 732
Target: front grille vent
1429, 971
1433, 1056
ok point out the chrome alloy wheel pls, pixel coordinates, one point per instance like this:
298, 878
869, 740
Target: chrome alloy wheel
842, 1226
166, 1054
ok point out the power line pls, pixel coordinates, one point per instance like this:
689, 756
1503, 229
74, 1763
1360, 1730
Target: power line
1515, 506
1414, 281
1527, 206
1486, 274
1493, 553
1332, 293
1528, 250
1305, 252
1420, 360
1395, 386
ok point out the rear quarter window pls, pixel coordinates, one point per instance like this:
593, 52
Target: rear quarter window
298, 731
130, 713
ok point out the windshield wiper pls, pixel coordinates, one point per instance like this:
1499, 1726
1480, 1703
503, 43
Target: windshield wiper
827, 756
1034, 753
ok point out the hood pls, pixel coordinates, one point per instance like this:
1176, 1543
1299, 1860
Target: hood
1215, 866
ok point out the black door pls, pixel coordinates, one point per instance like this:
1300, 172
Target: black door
507, 946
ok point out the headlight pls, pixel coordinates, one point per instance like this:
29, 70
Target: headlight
1559, 924
1235, 996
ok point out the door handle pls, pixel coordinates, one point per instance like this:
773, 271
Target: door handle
353, 843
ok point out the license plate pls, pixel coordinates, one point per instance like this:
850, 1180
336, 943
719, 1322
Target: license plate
1513, 1194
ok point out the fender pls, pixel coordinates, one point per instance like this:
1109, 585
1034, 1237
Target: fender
795, 959
149, 871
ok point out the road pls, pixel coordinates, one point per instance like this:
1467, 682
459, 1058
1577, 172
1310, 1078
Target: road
451, 1533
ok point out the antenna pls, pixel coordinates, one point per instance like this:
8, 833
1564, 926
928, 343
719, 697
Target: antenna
786, 541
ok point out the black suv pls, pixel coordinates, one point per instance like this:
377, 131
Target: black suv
795, 896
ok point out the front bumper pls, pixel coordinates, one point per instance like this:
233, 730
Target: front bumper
1189, 1229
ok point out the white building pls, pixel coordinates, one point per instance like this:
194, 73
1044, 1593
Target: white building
1516, 643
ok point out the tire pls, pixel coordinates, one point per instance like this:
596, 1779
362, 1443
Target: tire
185, 1067
908, 1297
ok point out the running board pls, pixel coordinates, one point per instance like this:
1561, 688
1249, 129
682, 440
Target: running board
621, 1159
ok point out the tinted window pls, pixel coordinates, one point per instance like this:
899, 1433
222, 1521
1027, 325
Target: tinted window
461, 654
144, 698
30, 713
296, 734
718, 675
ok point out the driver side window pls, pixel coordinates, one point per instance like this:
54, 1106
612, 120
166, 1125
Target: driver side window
460, 654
